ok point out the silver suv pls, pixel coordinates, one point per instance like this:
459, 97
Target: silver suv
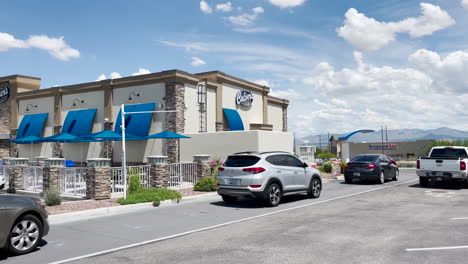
266, 176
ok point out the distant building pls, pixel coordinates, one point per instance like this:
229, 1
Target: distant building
406, 150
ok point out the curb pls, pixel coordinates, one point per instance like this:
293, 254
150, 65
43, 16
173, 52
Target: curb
115, 210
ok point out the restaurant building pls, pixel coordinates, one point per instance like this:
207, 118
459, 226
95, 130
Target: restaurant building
220, 113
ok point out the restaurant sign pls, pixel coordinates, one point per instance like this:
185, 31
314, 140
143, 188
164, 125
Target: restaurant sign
5, 93
244, 98
383, 147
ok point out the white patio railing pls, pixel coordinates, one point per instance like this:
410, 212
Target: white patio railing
32, 178
182, 175
72, 181
117, 184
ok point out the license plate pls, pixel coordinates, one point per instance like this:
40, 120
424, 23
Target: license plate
439, 173
234, 181
357, 174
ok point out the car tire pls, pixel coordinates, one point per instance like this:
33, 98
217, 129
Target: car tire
272, 195
2, 186
397, 174
348, 180
423, 181
228, 199
26, 229
381, 177
315, 188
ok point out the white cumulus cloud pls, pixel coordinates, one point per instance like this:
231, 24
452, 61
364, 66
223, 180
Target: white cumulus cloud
101, 77
205, 7
225, 7
288, 94
115, 75
367, 34
287, 3
141, 71
8, 41
246, 19
197, 62
56, 47
464, 4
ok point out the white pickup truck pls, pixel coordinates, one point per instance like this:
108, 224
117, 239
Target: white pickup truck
443, 163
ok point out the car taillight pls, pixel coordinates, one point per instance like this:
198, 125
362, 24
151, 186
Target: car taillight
255, 186
346, 165
371, 166
418, 165
254, 170
394, 162
462, 165
220, 169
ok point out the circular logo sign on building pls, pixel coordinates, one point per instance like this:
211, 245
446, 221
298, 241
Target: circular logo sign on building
244, 98
4, 93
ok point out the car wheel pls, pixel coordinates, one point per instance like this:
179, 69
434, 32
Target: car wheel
228, 199
315, 188
382, 178
348, 180
397, 174
423, 181
25, 235
273, 195
2, 186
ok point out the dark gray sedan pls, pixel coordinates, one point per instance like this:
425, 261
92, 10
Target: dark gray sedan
23, 223
371, 167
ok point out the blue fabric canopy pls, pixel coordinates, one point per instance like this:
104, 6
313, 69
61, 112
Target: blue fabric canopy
62, 138
234, 119
110, 135
79, 122
166, 134
136, 124
31, 125
27, 140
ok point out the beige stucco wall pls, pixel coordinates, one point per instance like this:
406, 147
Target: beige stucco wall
211, 110
222, 144
252, 114
137, 151
44, 105
92, 100
192, 119
275, 116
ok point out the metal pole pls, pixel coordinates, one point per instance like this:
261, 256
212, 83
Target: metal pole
383, 152
124, 159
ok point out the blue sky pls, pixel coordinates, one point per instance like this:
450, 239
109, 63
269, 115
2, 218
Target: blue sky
344, 65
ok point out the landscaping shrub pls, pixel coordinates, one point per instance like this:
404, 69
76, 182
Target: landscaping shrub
156, 203
320, 168
144, 195
327, 167
133, 183
52, 198
326, 155
214, 165
207, 184
342, 163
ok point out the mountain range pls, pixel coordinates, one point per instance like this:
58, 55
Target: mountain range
396, 135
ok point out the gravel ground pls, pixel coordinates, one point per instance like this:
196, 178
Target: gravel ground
74, 206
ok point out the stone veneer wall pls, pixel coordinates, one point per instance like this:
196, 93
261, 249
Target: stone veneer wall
5, 126
175, 122
50, 178
159, 177
15, 181
4, 149
108, 148
13, 146
98, 183
285, 119
219, 126
57, 147
203, 170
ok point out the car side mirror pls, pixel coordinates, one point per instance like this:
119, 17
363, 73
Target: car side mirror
305, 165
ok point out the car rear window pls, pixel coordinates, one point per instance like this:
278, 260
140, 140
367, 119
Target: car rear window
241, 161
448, 153
365, 158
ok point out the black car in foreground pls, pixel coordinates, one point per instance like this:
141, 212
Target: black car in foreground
23, 223
372, 167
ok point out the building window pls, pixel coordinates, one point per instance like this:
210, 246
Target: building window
202, 97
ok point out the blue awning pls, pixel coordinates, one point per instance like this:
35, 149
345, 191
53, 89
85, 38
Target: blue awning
136, 124
79, 122
32, 125
234, 119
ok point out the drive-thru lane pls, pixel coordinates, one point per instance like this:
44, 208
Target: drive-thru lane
87, 237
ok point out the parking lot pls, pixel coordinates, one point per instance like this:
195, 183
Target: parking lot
397, 222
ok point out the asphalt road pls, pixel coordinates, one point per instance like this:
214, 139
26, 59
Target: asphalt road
357, 223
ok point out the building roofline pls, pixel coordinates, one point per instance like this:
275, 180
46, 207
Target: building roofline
15, 76
223, 74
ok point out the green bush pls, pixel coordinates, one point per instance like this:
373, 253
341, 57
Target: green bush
207, 184
342, 163
52, 198
144, 195
156, 203
326, 155
320, 169
327, 167
133, 183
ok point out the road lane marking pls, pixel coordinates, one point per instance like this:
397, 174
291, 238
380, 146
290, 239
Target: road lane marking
223, 224
436, 248
459, 218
